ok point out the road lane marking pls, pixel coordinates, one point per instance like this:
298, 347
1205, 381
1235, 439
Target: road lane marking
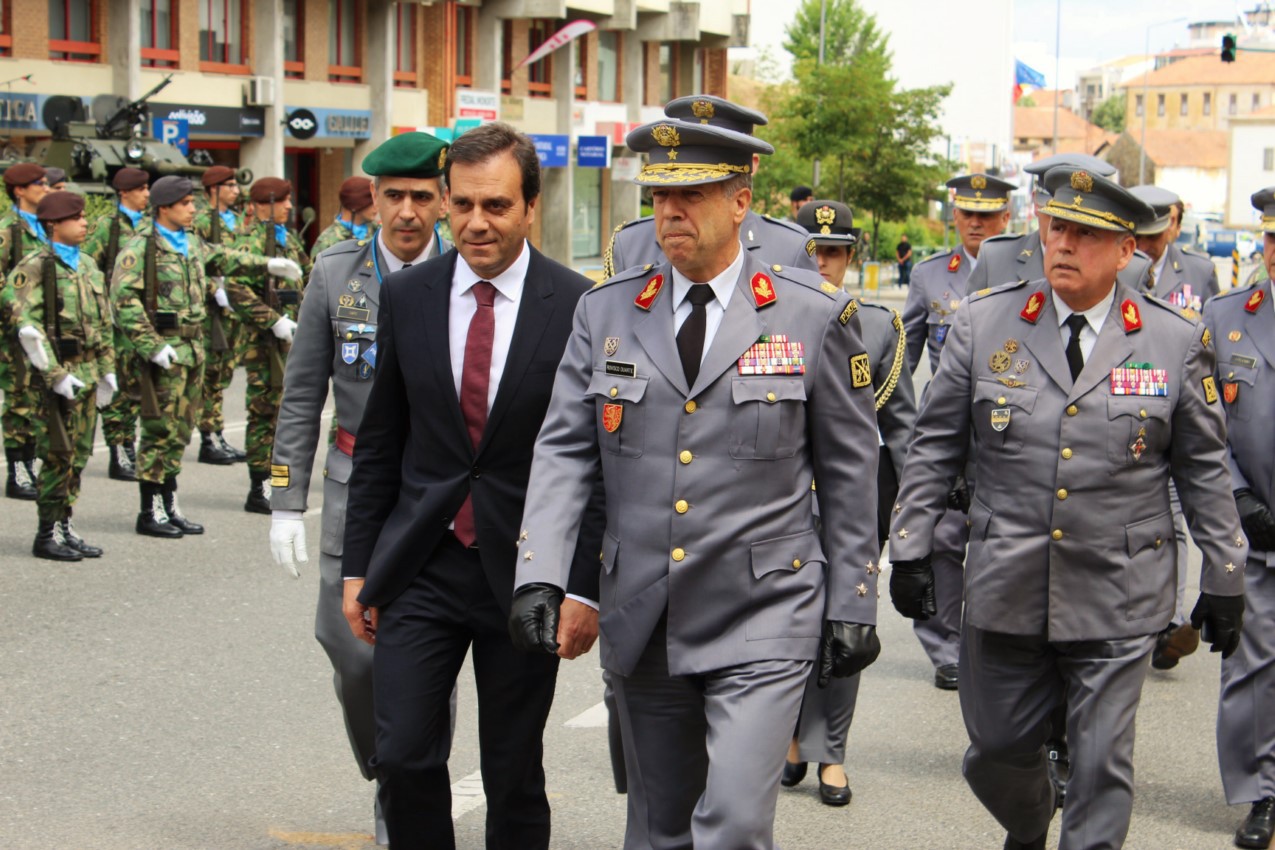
467, 795
594, 718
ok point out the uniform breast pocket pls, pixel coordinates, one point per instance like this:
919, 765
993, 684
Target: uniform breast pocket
355, 355
1139, 426
769, 417
1002, 415
620, 412
1237, 387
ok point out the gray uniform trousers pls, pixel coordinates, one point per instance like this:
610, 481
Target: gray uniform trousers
1246, 705
940, 635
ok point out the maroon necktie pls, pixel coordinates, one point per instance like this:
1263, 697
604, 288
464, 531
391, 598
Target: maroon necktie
475, 377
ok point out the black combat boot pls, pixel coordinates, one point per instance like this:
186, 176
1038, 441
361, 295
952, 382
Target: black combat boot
21, 483
123, 466
174, 510
238, 454
49, 544
258, 493
152, 520
210, 451
75, 541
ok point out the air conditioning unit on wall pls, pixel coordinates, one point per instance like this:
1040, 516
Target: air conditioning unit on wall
259, 91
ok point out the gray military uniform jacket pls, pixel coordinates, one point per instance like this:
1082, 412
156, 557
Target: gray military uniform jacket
895, 398
937, 287
770, 240
1242, 323
1071, 535
335, 340
708, 498
1181, 269
1007, 258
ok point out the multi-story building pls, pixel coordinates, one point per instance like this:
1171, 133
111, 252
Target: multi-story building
364, 69
1200, 92
1101, 82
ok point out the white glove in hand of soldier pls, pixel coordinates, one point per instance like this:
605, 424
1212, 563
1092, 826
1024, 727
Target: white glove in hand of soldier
106, 389
31, 337
164, 357
284, 329
68, 386
283, 267
287, 537
219, 295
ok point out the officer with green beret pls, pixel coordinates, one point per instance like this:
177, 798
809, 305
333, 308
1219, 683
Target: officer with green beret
335, 343
267, 301
60, 307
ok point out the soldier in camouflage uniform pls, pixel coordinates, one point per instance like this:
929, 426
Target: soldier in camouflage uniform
268, 302
20, 234
59, 304
356, 220
160, 292
119, 418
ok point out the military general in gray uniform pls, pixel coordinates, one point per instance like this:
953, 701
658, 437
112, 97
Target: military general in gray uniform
1242, 322
336, 341
1020, 257
710, 390
1083, 398
772, 240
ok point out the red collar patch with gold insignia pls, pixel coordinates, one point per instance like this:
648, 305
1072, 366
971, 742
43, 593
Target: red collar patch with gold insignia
763, 290
1032, 311
954, 263
647, 296
1132, 318
1255, 301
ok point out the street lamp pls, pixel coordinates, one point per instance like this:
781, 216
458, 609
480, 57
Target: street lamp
1146, 103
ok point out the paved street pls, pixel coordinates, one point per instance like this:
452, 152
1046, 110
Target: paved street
171, 695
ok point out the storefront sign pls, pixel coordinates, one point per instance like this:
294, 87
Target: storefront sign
20, 111
593, 151
213, 120
175, 133
554, 151
473, 103
339, 123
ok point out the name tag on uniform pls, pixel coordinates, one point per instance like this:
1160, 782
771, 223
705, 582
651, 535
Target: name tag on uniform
1241, 360
624, 370
1140, 380
354, 314
349, 353
774, 355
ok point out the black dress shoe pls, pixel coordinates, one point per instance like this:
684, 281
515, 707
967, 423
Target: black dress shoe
945, 677
1258, 827
833, 795
793, 774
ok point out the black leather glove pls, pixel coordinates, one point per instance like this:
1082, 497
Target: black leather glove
846, 648
958, 498
1255, 517
1219, 619
912, 588
533, 618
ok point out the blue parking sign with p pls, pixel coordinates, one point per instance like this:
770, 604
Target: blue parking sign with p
173, 131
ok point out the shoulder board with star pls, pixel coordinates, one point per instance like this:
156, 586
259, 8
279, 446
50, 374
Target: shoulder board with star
1244, 289
1003, 237
788, 225
942, 253
1167, 307
347, 246
631, 273
996, 290
805, 277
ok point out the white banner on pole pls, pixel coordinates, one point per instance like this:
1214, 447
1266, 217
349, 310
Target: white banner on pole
566, 35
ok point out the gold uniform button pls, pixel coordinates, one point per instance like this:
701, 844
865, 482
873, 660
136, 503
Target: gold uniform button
615, 391
1000, 400
776, 267
690, 406
1072, 410
1230, 374
796, 563
1062, 493
1066, 453
1143, 413
1057, 535
1158, 542
770, 396
679, 554
685, 457
681, 506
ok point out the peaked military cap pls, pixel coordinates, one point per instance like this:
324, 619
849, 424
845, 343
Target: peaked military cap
1160, 200
355, 193
684, 154
714, 111
57, 206
127, 179
1264, 202
23, 174
216, 175
1076, 195
171, 189
407, 155
54, 175
269, 190
980, 192
829, 222
1092, 164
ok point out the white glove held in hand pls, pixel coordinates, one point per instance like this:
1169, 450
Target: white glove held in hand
106, 389
164, 357
287, 537
284, 329
219, 295
283, 267
31, 337
67, 386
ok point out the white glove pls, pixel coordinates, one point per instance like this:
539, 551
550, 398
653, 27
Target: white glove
31, 337
284, 329
106, 389
220, 297
164, 357
283, 267
287, 536
67, 386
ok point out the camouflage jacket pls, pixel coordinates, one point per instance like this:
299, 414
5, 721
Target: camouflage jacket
9, 257
83, 320
98, 245
334, 234
255, 294
182, 290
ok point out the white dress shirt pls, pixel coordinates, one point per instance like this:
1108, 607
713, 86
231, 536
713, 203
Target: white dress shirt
1158, 268
973, 261
392, 262
723, 285
463, 306
1094, 317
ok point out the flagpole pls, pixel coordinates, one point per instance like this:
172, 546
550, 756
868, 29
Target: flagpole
1057, 72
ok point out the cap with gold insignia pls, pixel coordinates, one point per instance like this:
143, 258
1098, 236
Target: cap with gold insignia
980, 192
412, 154
1085, 198
1041, 167
714, 111
685, 154
23, 174
1160, 200
57, 206
170, 189
127, 179
1264, 202
829, 222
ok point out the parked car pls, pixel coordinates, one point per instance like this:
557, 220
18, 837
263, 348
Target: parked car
1222, 241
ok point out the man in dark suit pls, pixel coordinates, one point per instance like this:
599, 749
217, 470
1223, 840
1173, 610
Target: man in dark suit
468, 346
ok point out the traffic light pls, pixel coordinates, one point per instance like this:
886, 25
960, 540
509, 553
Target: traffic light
1228, 48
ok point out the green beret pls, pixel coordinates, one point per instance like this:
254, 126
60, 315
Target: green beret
407, 155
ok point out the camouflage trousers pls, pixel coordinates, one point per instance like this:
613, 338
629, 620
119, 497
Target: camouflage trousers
219, 369
119, 418
262, 396
58, 484
21, 400
164, 439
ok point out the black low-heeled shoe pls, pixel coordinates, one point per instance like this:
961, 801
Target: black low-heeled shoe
793, 774
1259, 826
833, 795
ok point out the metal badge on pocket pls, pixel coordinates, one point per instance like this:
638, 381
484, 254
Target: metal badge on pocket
611, 416
349, 352
1000, 418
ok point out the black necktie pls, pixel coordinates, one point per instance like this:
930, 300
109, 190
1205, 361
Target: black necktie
690, 339
1075, 360
407, 265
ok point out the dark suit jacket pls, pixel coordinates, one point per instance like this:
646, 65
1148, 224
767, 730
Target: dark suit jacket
414, 463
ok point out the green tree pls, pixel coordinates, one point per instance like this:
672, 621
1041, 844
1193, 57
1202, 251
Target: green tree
850, 34
1109, 115
1026, 100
